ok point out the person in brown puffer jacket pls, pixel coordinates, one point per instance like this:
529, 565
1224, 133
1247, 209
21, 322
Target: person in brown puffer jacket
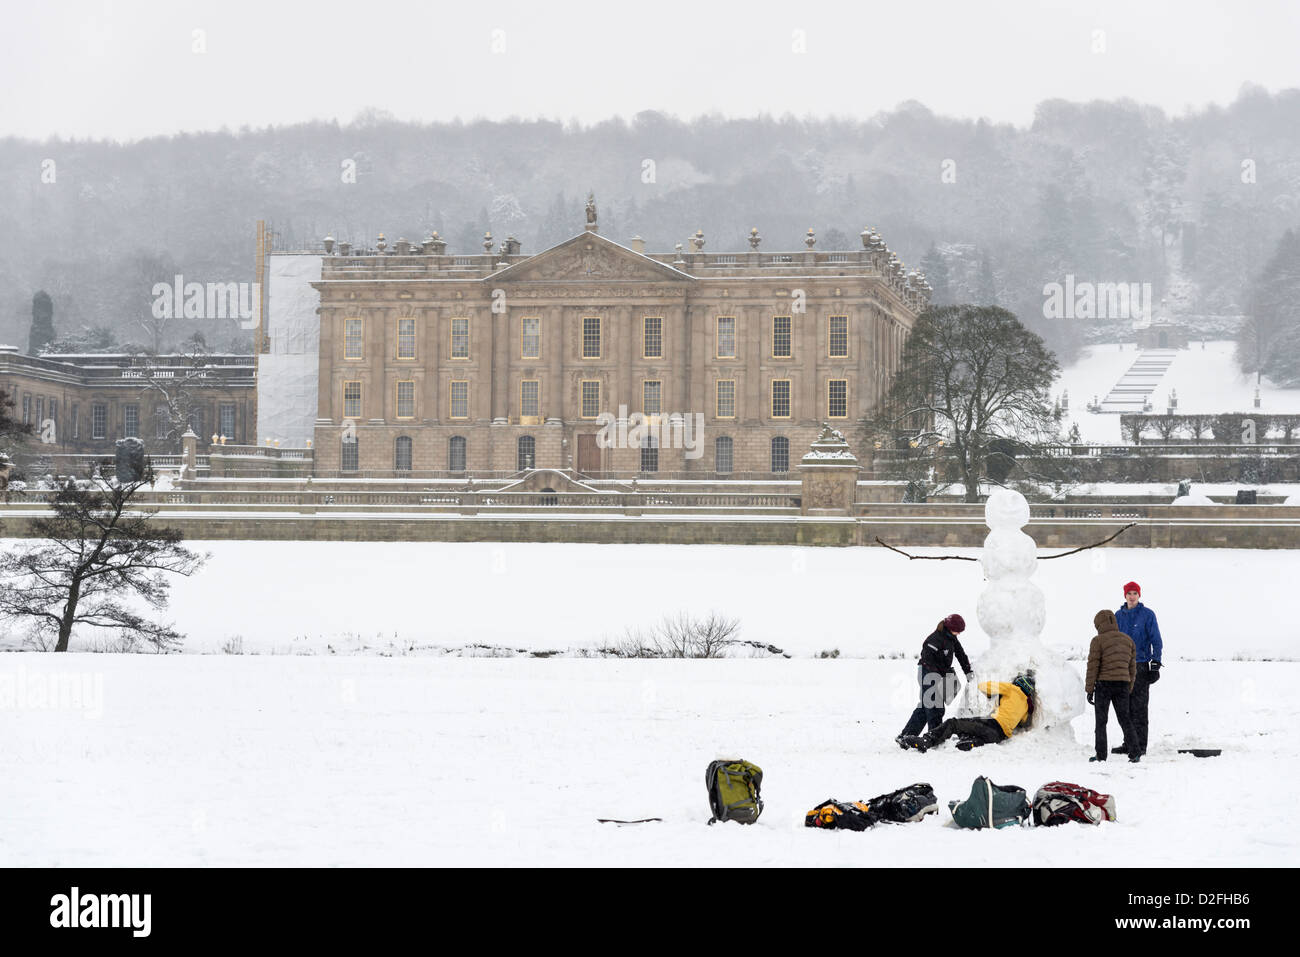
1112, 669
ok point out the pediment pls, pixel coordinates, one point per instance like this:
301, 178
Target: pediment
592, 258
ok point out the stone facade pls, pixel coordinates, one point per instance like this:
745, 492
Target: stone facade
84, 403
1162, 335
492, 362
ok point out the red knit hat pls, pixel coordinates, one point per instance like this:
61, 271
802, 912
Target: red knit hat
1132, 586
955, 623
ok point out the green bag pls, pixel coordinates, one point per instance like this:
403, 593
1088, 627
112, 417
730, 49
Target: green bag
991, 805
733, 787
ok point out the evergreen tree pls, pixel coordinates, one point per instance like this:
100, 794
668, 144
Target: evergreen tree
986, 289
935, 267
42, 323
1270, 338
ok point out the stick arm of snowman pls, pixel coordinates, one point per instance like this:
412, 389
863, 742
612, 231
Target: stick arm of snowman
1041, 558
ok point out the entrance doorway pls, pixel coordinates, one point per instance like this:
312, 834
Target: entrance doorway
588, 454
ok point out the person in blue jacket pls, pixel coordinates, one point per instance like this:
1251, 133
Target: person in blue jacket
1139, 622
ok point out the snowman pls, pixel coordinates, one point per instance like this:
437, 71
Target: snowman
1012, 612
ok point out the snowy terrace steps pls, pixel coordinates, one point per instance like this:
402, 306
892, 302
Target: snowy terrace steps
1134, 388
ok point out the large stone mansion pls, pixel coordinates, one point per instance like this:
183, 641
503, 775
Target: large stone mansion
702, 362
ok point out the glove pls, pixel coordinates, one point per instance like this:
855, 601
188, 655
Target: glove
1154, 674
1091, 698
970, 676
1155, 666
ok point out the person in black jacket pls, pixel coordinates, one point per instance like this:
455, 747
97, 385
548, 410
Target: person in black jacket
935, 675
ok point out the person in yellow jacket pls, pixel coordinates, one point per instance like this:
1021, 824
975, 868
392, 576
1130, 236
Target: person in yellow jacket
1014, 707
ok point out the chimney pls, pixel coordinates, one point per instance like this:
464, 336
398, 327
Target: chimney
638, 245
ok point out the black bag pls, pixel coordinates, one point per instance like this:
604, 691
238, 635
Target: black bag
833, 815
897, 807
904, 805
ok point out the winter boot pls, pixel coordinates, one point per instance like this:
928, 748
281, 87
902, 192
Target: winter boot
916, 742
1095, 758
1122, 749
1135, 757
966, 744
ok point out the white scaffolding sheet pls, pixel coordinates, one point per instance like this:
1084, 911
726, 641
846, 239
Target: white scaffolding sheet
286, 376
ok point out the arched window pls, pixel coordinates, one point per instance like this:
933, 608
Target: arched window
722, 453
780, 454
402, 454
650, 454
351, 454
527, 452
456, 453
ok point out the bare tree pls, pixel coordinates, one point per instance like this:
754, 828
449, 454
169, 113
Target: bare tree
88, 558
13, 431
174, 391
682, 636
970, 376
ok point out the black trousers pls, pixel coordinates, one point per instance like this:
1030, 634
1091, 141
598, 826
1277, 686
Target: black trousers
934, 698
979, 730
1114, 693
1137, 706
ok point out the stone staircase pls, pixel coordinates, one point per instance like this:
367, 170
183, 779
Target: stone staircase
1131, 393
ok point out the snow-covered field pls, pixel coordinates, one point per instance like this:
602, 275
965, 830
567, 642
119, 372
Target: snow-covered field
390, 751
1206, 380
281, 760
314, 597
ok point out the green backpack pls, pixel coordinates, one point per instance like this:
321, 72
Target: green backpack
733, 791
991, 805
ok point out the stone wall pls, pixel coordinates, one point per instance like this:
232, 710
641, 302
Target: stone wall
1165, 532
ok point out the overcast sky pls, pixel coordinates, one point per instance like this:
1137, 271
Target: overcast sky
125, 70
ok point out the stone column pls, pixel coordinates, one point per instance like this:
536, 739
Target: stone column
427, 350
189, 455
858, 345
374, 403
626, 391
810, 363
828, 476
553, 392
677, 343
700, 333
500, 367
481, 355
755, 345
325, 384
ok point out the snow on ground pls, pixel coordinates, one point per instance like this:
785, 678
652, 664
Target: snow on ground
1170, 489
241, 760
1094, 374
1209, 380
1206, 380
866, 602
